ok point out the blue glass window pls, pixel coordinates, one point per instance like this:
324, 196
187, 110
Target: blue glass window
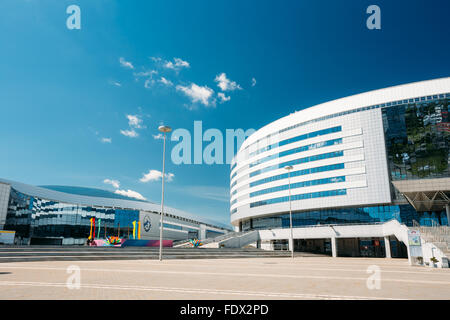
297, 138
299, 161
298, 185
313, 146
320, 194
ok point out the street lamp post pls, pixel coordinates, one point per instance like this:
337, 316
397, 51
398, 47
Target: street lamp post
164, 130
289, 168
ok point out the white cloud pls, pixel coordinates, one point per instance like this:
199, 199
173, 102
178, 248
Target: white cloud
134, 121
115, 83
177, 64
223, 98
106, 140
152, 175
125, 64
155, 59
148, 83
197, 93
226, 84
158, 136
131, 194
146, 73
129, 133
155, 175
253, 82
114, 183
127, 193
165, 81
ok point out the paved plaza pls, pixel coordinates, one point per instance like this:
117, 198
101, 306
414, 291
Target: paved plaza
261, 278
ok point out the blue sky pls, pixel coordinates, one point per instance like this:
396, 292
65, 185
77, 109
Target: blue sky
62, 91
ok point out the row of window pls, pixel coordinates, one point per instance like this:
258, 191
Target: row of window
298, 173
177, 227
322, 156
305, 136
312, 146
417, 139
27, 214
389, 104
310, 195
403, 213
288, 141
298, 185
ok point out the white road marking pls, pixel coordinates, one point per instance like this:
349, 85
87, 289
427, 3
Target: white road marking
437, 272
262, 261
231, 274
196, 290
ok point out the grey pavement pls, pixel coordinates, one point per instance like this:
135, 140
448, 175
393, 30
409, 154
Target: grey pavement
261, 278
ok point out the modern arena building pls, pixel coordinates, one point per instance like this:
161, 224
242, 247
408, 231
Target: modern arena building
360, 160
60, 215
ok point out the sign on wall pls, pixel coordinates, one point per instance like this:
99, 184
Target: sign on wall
149, 225
415, 245
414, 238
7, 237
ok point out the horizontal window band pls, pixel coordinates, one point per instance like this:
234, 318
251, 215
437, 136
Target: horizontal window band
298, 185
298, 173
312, 146
297, 138
304, 196
339, 114
299, 161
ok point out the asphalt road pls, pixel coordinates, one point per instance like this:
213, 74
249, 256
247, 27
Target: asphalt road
262, 278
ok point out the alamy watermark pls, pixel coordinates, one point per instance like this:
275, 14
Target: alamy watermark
374, 280
74, 279
74, 20
208, 147
374, 20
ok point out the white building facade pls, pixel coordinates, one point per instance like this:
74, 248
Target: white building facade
347, 156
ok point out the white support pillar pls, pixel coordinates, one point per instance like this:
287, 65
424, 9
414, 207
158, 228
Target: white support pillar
387, 246
447, 209
290, 243
202, 233
334, 247
408, 249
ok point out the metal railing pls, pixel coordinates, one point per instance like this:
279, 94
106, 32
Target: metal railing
329, 225
225, 236
433, 233
211, 240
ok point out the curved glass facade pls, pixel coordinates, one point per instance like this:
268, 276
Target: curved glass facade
417, 139
67, 220
403, 213
33, 217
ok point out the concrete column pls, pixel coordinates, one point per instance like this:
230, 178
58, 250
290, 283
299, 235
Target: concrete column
447, 209
202, 233
409, 254
291, 244
387, 246
334, 247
